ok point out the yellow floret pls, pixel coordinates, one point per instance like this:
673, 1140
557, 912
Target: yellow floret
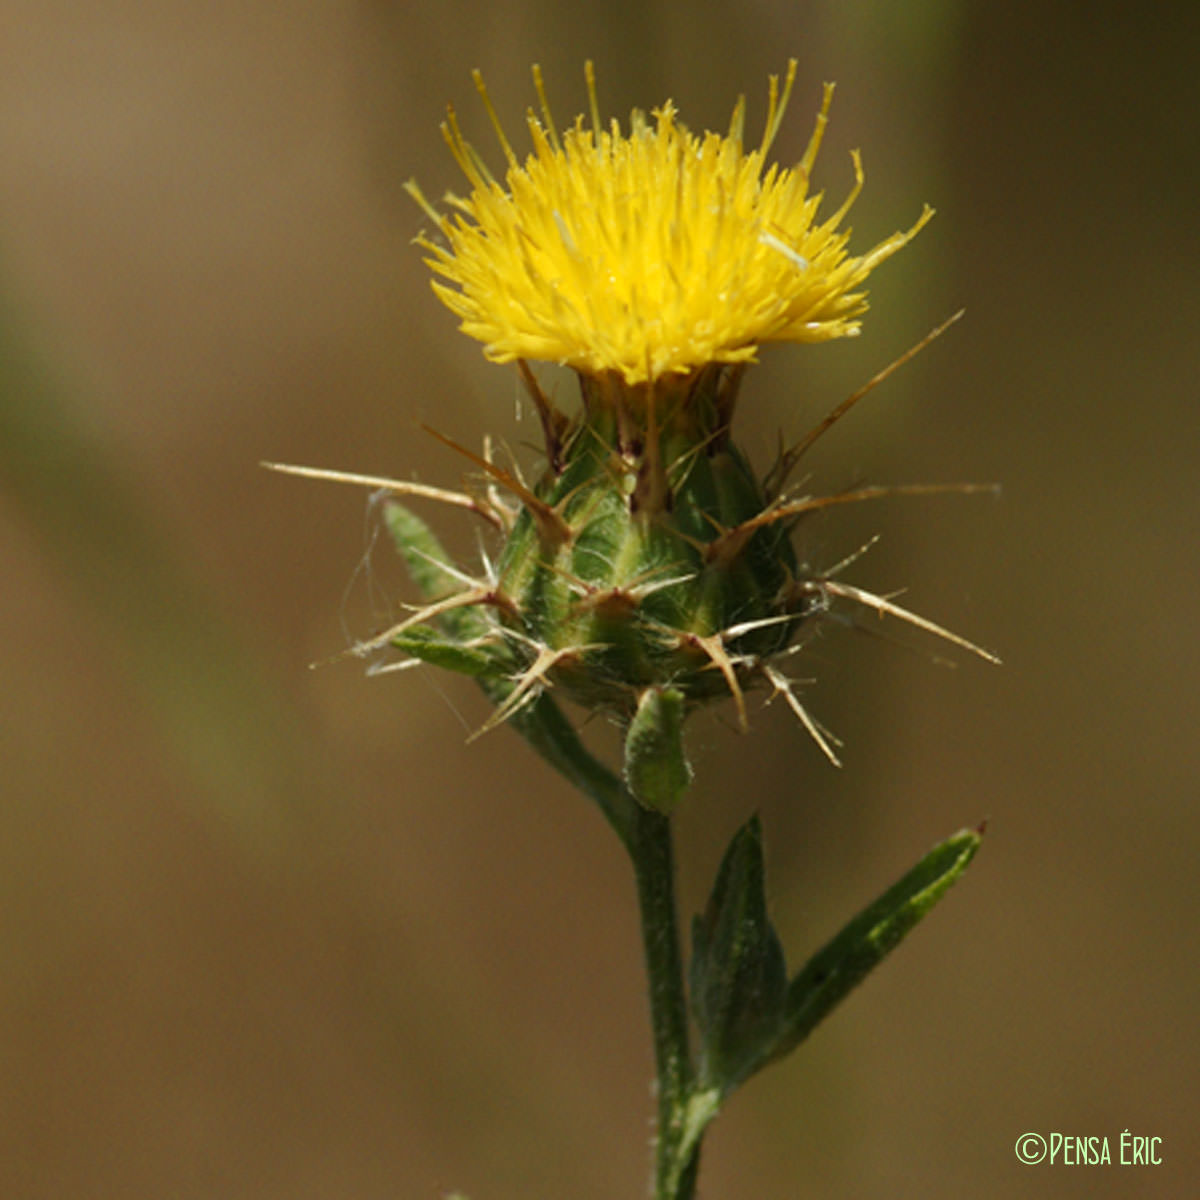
650, 253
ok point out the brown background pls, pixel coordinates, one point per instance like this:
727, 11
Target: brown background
272, 932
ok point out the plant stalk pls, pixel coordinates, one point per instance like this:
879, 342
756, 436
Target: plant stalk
677, 1156
646, 834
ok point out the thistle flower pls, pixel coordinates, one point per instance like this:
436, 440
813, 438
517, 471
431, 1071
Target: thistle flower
648, 254
647, 570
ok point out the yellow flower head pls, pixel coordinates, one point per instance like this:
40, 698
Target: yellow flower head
651, 253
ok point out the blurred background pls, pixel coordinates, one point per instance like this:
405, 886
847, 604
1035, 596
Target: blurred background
272, 931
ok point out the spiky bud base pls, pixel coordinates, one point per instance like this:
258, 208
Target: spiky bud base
645, 573
647, 559
627, 564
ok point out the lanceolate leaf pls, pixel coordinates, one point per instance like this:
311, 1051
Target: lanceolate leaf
427, 563
468, 659
738, 975
846, 960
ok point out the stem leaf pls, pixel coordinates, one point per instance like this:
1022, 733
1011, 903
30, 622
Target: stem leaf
424, 643
429, 565
738, 973
836, 969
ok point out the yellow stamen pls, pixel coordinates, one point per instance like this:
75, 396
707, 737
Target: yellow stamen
551, 128
481, 88
809, 157
776, 107
589, 72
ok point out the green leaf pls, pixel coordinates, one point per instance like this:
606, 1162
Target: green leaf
431, 569
738, 974
866, 941
657, 771
425, 643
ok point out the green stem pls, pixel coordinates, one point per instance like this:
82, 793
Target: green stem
677, 1156
646, 834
